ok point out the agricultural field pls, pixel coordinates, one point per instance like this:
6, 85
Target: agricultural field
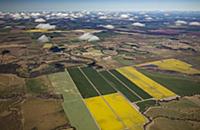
48, 114
82, 83
153, 88
172, 65
100, 83
119, 86
114, 112
73, 104
106, 106
130, 84
181, 85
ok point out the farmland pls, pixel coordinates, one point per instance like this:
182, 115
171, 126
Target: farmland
73, 104
183, 86
131, 85
172, 65
106, 108
108, 112
119, 86
154, 89
100, 83
82, 83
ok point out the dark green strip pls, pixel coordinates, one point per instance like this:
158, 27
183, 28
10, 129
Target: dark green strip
102, 86
131, 85
83, 85
119, 86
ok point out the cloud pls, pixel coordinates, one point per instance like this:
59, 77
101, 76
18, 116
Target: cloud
138, 24
148, 18
45, 26
194, 23
108, 26
43, 39
40, 20
35, 15
124, 16
16, 16
103, 17
180, 22
89, 37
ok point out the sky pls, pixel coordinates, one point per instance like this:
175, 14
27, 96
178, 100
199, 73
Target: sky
99, 5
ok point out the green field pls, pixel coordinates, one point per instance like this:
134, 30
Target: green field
101, 84
73, 105
132, 86
180, 85
85, 88
35, 86
146, 104
119, 86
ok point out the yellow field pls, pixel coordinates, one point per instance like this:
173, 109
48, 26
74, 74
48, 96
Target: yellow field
153, 88
47, 45
118, 115
36, 30
104, 116
173, 65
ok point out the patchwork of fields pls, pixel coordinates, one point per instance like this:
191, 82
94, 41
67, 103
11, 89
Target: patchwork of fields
73, 104
108, 100
153, 88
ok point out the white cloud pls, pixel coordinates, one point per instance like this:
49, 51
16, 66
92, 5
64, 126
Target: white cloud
89, 37
166, 14
35, 15
180, 22
103, 17
43, 39
138, 24
16, 16
108, 26
40, 20
148, 18
45, 26
124, 16
194, 23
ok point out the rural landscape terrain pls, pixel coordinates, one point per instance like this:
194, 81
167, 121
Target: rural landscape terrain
95, 70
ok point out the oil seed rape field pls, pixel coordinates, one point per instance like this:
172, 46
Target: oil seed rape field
153, 88
173, 65
114, 112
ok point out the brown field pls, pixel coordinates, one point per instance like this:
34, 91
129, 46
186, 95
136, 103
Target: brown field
11, 85
48, 114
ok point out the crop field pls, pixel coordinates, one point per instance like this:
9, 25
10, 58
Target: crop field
153, 88
180, 85
100, 83
36, 30
131, 85
173, 65
73, 105
83, 85
114, 112
121, 87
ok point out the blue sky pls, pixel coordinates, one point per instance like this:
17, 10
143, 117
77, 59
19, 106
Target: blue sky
105, 5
